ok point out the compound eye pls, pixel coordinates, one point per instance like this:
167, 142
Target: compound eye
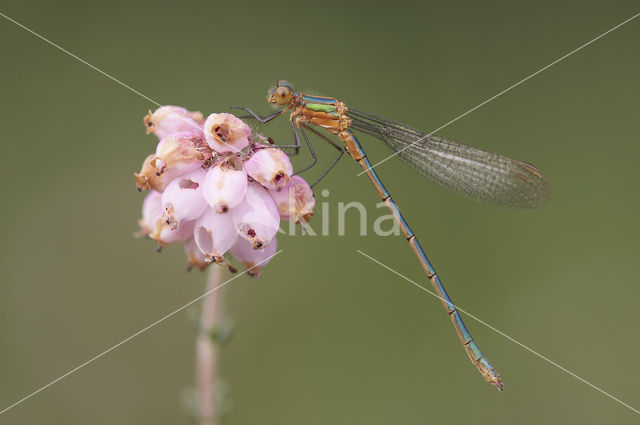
282, 95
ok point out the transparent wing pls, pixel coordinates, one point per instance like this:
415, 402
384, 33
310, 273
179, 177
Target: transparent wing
477, 174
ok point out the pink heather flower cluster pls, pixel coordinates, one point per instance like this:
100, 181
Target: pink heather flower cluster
218, 188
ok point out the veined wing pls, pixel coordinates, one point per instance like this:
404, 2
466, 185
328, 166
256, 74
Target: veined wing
475, 173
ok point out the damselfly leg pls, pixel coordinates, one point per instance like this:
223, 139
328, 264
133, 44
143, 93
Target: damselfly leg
332, 143
262, 120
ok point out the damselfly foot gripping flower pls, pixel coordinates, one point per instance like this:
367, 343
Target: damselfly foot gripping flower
218, 188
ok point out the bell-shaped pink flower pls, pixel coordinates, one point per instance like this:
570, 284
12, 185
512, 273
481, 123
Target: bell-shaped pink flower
294, 201
270, 167
226, 133
168, 235
225, 185
214, 234
151, 212
181, 152
182, 200
153, 225
176, 154
195, 257
256, 217
170, 119
253, 259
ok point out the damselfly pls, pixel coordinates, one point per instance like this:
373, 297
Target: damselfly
478, 174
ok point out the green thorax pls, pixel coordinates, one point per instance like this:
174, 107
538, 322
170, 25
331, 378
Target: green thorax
320, 104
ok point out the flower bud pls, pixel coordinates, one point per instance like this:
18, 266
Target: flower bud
182, 200
195, 257
243, 251
294, 201
225, 185
176, 154
270, 167
169, 119
214, 234
256, 217
226, 133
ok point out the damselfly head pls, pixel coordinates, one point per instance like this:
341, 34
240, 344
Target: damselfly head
281, 94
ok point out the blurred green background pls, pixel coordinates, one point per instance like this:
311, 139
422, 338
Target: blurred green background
325, 336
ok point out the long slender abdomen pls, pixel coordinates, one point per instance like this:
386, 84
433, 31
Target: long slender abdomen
473, 351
